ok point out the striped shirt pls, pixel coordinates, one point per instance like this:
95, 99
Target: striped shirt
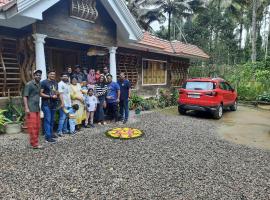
100, 90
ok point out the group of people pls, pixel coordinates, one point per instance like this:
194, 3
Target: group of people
81, 98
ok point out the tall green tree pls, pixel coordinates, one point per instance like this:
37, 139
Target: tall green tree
177, 8
145, 12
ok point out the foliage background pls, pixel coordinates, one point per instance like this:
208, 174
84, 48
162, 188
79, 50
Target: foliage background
251, 80
234, 33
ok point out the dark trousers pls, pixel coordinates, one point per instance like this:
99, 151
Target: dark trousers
112, 111
124, 111
100, 110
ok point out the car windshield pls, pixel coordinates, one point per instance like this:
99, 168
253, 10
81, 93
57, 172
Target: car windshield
199, 85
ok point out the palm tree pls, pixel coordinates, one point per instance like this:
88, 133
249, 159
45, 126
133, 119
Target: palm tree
177, 8
148, 11
145, 12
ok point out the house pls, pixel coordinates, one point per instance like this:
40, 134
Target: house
38, 34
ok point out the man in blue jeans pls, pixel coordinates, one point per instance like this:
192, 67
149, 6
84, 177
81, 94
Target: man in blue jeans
124, 96
49, 94
64, 95
112, 98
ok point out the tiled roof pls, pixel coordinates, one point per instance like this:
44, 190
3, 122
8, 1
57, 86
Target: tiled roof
174, 47
6, 4
3, 2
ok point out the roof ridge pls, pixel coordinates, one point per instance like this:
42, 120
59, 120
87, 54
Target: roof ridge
175, 47
186, 43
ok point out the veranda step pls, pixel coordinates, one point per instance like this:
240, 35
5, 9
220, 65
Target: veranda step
9, 39
5, 48
9, 53
10, 68
13, 79
10, 83
8, 63
8, 58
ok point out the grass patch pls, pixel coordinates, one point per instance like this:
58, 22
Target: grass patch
173, 110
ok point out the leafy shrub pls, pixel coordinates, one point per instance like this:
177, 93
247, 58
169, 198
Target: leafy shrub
135, 101
150, 103
168, 98
264, 97
3, 120
14, 110
249, 79
175, 97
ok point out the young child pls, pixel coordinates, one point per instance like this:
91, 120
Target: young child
84, 88
91, 106
72, 117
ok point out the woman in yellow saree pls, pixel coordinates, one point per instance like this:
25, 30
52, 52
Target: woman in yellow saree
77, 98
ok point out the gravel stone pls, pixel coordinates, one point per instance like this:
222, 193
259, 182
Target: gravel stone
179, 157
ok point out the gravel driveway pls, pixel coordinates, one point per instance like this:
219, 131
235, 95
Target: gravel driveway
180, 157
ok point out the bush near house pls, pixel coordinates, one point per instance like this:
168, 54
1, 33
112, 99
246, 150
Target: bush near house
167, 97
251, 80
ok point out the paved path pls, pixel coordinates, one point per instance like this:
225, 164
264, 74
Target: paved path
180, 157
248, 126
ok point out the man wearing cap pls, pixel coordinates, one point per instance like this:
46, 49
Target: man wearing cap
31, 101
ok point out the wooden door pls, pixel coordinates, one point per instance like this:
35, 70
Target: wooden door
63, 58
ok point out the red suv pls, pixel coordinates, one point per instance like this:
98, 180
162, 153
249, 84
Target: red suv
207, 94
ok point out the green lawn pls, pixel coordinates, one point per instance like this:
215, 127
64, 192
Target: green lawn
169, 111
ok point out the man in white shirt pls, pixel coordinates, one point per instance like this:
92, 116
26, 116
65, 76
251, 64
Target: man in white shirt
64, 94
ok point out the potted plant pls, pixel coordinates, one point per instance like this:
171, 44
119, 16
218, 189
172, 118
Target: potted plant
13, 127
136, 102
138, 110
15, 115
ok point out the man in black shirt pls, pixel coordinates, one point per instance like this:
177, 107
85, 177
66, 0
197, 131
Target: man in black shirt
49, 94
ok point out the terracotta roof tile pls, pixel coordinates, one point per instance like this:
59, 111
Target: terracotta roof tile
189, 49
151, 41
3, 2
174, 47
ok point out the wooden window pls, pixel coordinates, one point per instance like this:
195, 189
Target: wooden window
128, 63
154, 72
178, 73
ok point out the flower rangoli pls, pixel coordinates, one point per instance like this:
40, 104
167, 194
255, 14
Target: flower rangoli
124, 133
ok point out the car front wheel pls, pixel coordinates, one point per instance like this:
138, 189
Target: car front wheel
234, 106
218, 112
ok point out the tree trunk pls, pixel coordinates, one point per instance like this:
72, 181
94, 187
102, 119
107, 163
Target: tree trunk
254, 30
267, 39
241, 28
169, 26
